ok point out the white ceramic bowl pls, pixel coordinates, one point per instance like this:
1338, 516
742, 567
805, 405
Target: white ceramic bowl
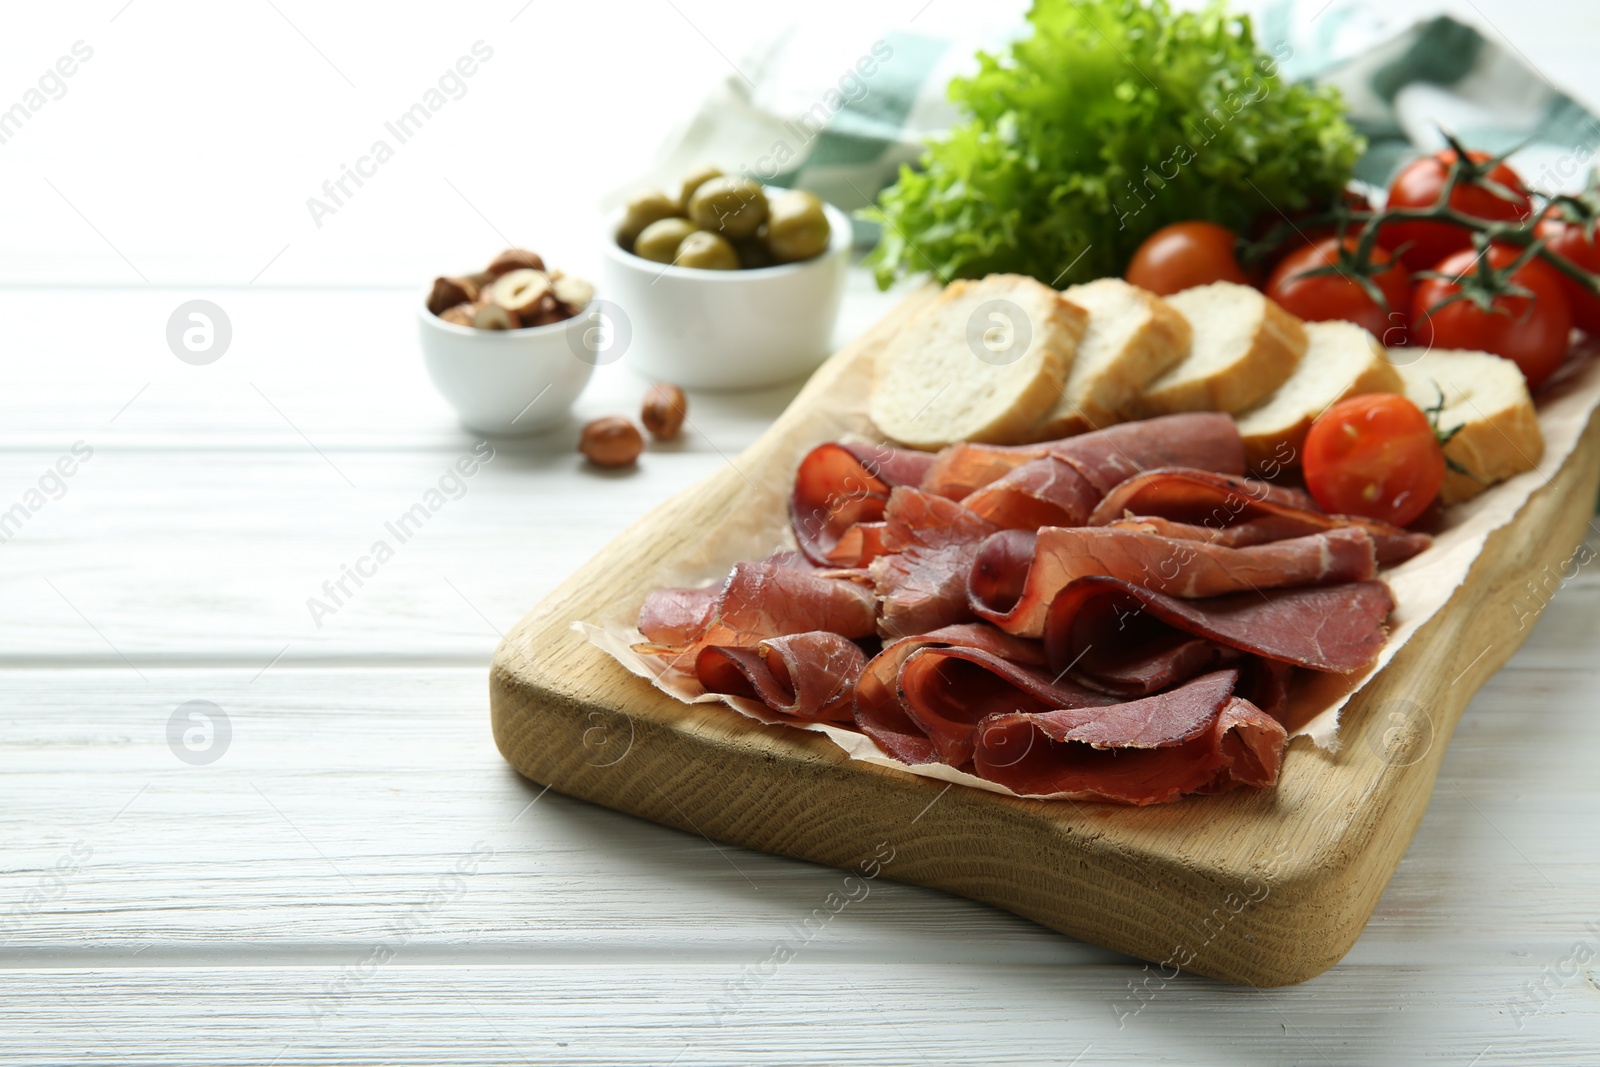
727, 329
507, 381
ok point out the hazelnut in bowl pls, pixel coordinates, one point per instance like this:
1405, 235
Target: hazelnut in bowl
726, 283
506, 346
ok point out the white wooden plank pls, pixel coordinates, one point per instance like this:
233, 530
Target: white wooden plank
806, 1011
345, 795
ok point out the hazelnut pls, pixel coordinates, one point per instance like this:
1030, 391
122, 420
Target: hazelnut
611, 441
664, 410
461, 314
573, 292
514, 259
549, 310
448, 292
521, 290
495, 317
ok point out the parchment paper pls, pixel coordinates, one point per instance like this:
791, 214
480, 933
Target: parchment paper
1421, 585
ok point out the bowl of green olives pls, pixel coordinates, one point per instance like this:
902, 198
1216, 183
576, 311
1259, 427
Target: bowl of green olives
728, 284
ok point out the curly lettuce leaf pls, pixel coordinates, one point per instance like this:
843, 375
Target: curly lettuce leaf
1115, 118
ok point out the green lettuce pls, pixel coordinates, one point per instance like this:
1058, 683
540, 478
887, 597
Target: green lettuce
1113, 119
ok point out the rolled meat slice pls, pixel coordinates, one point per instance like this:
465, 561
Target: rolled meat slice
761, 599
881, 714
810, 677
1104, 457
1016, 575
1047, 491
930, 544
839, 485
1096, 625
1198, 738
1214, 501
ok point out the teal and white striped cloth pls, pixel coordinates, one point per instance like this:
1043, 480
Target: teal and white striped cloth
839, 118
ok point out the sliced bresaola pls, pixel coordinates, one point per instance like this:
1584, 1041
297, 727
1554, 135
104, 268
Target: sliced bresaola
1334, 628
768, 598
1104, 457
1205, 499
1258, 531
880, 712
1196, 738
1047, 491
1016, 574
930, 543
839, 485
810, 677
948, 691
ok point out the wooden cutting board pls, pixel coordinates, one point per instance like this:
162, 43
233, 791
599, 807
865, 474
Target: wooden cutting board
1265, 887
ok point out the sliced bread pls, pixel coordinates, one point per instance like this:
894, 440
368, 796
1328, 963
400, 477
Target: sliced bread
1243, 348
984, 363
1341, 360
1133, 338
1488, 398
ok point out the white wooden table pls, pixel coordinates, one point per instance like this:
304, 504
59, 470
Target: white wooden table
346, 872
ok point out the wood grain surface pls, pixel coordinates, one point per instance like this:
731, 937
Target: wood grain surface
1264, 888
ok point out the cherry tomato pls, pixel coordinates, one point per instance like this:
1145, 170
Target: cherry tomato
1374, 456
1322, 297
1567, 240
1420, 184
1529, 331
1184, 255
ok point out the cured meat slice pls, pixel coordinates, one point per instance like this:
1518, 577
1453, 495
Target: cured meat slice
922, 578
839, 485
1240, 535
810, 677
880, 713
768, 598
1335, 628
948, 691
1205, 499
1104, 457
1196, 738
675, 616
1152, 666
1202, 440
1176, 566
1047, 491
861, 543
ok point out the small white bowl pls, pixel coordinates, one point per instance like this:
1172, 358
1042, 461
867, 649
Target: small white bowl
507, 382
728, 329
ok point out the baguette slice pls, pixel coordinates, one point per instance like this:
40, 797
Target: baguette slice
1488, 398
1243, 348
1133, 338
1342, 360
971, 368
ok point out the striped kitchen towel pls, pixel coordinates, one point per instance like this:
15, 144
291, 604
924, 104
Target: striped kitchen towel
839, 115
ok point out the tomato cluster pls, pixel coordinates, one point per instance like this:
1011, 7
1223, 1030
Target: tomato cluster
1462, 255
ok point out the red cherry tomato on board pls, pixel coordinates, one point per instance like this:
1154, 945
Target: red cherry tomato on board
1184, 255
1420, 185
1374, 456
1529, 331
1321, 297
1567, 240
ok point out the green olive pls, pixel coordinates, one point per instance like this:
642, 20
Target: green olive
707, 251
733, 207
797, 227
694, 180
659, 241
753, 253
642, 210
